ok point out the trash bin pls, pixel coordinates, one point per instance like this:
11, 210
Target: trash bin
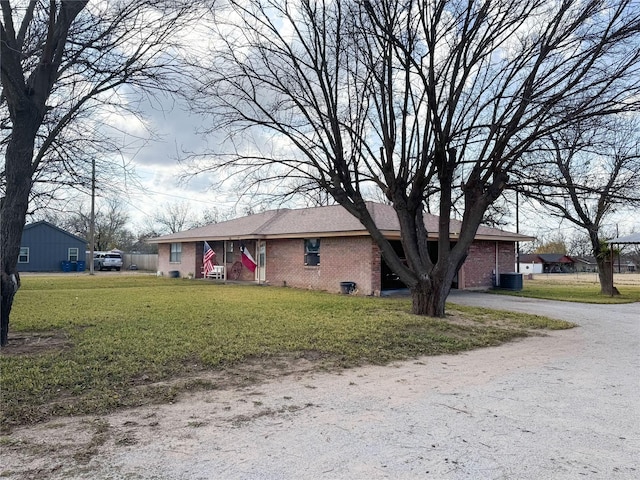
174, 273
347, 287
65, 265
80, 265
511, 281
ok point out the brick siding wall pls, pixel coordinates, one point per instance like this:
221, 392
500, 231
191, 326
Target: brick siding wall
353, 259
376, 269
163, 256
187, 262
477, 271
342, 259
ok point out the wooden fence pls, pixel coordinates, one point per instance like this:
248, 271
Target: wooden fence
144, 261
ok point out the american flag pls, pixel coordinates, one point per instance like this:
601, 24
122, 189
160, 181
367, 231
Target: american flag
208, 259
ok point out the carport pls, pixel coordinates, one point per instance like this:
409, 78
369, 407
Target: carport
633, 239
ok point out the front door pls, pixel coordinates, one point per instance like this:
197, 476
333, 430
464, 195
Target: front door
262, 262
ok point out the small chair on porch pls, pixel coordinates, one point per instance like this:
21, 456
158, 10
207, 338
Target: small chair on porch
217, 273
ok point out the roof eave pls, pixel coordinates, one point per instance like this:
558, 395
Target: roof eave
389, 234
505, 238
208, 238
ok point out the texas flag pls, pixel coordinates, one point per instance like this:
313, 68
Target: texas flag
247, 259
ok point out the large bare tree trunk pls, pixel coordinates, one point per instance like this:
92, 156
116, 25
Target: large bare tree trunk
430, 294
26, 99
603, 254
10, 285
37, 61
605, 274
13, 212
429, 298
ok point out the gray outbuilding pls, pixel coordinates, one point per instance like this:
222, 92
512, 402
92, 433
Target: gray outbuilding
47, 248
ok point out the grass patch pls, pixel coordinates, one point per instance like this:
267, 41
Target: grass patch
574, 292
128, 341
487, 316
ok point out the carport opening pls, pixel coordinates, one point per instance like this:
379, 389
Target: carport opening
390, 281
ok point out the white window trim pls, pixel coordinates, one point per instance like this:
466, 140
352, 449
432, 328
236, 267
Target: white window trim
27, 255
77, 255
178, 252
306, 253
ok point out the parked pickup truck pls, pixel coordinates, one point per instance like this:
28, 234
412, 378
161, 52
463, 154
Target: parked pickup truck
107, 261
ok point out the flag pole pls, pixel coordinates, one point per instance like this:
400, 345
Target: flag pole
257, 257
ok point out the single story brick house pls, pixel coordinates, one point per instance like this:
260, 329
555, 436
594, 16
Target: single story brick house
321, 247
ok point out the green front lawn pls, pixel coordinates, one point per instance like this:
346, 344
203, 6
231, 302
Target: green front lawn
89, 344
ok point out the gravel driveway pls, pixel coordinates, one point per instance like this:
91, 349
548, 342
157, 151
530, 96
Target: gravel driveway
563, 406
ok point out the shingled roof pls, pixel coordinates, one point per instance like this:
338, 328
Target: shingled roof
330, 221
52, 226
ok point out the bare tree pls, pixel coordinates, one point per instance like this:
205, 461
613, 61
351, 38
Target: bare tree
579, 245
178, 216
174, 217
67, 68
109, 224
213, 215
591, 172
432, 103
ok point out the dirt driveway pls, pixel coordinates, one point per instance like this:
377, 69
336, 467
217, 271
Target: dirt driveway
563, 406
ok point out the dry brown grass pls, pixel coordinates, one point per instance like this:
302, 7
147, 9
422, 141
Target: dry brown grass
583, 278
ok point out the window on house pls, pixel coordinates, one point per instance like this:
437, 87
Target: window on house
176, 253
312, 251
229, 247
73, 255
23, 256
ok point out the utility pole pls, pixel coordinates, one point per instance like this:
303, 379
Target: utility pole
92, 229
617, 236
518, 232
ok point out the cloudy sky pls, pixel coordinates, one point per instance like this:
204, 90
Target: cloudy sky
161, 178
161, 182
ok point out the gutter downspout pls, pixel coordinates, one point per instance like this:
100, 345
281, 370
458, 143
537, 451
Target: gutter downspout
257, 257
497, 270
611, 250
518, 232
